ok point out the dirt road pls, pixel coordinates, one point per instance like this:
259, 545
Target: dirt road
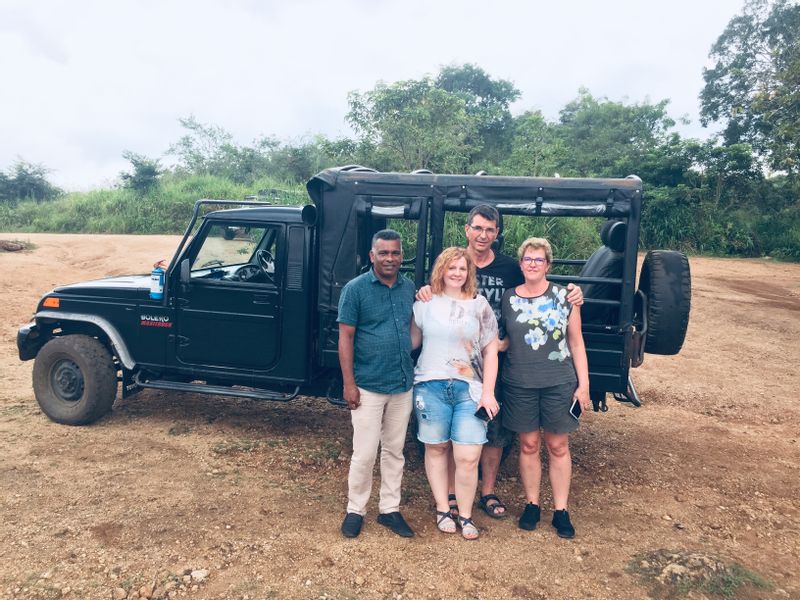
249, 496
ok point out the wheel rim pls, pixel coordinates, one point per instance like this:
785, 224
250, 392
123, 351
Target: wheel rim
66, 380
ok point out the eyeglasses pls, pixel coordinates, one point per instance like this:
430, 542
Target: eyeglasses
481, 230
539, 261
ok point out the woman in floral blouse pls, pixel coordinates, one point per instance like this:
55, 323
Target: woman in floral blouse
545, 370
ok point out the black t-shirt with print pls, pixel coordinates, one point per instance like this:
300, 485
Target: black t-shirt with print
495, 278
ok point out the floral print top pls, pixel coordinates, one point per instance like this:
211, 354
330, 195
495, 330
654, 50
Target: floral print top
538, 353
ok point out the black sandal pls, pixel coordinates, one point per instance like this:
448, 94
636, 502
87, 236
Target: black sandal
491, 509
453, 503
469, 531
444, 520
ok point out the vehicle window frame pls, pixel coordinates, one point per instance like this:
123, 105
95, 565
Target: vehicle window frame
268, 239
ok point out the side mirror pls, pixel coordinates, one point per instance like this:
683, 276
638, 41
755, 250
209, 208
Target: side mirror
186, 272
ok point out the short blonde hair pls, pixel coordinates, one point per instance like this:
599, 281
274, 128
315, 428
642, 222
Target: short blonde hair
447, 256
535, 243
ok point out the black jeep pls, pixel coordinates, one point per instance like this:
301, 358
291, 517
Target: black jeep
250, 297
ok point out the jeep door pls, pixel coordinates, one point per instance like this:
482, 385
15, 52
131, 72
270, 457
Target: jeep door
228, 314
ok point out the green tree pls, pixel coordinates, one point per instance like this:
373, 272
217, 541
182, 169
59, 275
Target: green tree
729, 173
6, 194
201, 148
209, 149
487, 101
611, 139
145, 175
414, 125
345, 151
27, 181
536, 150
299, 161
753, 89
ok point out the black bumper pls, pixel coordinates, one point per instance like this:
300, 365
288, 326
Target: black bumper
29, 341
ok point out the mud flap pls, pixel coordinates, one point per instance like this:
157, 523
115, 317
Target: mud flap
129, 385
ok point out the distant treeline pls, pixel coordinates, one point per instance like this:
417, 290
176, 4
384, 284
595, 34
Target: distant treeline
734, 194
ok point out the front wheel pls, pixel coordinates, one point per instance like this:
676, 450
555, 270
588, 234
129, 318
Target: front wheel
74, 379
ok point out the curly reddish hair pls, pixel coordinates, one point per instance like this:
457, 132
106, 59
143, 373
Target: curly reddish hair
448, 255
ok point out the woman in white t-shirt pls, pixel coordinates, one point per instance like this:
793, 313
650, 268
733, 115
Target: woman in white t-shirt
454, 377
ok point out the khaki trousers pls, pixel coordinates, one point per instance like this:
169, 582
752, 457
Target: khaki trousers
381, 418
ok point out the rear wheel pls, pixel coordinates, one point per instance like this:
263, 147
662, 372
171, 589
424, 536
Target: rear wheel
666, 282
74, 379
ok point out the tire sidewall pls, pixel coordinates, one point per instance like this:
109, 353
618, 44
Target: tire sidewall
665, 280
99, 379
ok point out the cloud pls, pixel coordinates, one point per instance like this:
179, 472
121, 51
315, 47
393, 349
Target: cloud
89, 79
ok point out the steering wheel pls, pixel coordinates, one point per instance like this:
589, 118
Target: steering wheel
246, 273
265, 261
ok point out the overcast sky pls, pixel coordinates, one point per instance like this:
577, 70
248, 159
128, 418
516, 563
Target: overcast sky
84, 80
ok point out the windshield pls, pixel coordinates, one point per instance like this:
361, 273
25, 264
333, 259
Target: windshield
227, 245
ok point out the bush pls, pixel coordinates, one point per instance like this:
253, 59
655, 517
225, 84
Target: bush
781, 233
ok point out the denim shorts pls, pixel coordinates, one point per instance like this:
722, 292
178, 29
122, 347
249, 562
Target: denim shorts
446, 412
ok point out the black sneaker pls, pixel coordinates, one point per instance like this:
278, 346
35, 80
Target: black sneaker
396, 523
530, 517
564, 528
351, 526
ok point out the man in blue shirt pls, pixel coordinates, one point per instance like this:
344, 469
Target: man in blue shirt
375, 356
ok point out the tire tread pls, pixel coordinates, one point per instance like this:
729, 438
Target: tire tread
100, 379
666, 281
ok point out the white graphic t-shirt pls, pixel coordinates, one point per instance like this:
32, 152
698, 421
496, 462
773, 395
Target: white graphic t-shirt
454, 332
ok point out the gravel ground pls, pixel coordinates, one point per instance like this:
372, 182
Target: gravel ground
176, 495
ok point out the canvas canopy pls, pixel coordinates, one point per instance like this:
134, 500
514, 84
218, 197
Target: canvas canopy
347, 197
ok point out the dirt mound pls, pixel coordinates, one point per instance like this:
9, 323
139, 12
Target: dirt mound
671, 573
9, 246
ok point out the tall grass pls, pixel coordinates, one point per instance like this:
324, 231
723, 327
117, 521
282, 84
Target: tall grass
165, 210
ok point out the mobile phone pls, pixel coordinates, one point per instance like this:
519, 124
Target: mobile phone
575, 410
482, 414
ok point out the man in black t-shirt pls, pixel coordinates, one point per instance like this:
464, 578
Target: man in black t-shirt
496, 273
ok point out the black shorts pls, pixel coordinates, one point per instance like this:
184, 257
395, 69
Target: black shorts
529, 409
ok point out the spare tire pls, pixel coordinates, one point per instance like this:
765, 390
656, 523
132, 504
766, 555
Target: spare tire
666, 282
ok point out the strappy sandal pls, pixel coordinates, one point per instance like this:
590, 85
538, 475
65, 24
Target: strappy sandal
491, 509
468, 529
451, 500
446, 522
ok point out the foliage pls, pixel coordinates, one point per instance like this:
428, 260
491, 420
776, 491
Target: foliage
414, 125
165, 210
300, 161
780, 233
146, 172
536, 148
610, 139
487, 102
6, 195
210, 150
753, 89
699, 196
27, 181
